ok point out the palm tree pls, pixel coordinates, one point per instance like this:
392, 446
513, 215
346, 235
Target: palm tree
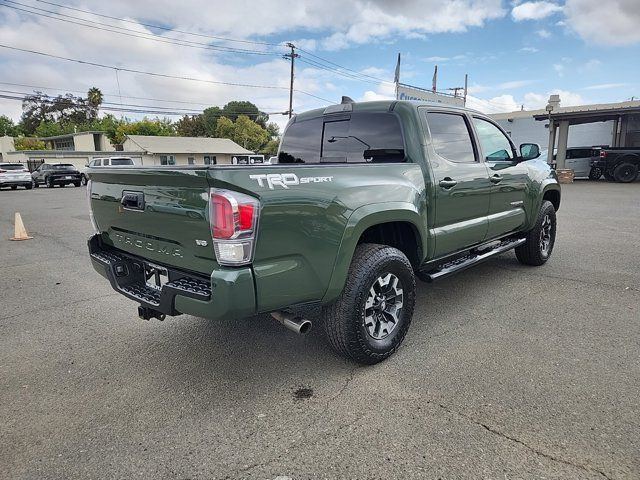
94, 97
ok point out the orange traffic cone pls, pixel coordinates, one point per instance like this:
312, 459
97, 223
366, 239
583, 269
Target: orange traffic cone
20, 233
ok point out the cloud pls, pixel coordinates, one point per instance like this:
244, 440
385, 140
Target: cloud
542, 33
606, 86
530, 101
529, 49
515, 84
534, 10
611, 22
559, 69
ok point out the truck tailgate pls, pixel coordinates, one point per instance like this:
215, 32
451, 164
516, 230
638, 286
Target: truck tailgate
168, 224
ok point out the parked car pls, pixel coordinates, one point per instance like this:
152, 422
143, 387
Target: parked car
620, 164
105, 162
247, 159
52, 174
14, 175
579, 160
365, 197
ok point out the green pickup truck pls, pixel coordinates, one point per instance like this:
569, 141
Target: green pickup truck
365, 197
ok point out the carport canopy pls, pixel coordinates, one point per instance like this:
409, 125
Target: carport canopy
563, 118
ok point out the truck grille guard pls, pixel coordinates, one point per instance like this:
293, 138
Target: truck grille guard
125, 272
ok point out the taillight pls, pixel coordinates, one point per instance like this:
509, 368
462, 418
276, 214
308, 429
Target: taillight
603, 154
91, 216
233, 217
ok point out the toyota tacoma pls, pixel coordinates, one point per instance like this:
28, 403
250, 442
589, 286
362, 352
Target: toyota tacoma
365, 197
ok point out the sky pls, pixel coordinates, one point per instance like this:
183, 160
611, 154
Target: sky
516, 53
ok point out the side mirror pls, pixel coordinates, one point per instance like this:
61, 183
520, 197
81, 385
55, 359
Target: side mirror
529, 151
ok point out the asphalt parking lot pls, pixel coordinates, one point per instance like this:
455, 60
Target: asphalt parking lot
507, 372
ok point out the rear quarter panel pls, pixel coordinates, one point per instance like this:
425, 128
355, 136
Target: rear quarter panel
303, 227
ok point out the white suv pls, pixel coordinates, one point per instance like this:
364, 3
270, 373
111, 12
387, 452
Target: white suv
106, 162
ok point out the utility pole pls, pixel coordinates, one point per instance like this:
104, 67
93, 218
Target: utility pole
293, 55
455, 90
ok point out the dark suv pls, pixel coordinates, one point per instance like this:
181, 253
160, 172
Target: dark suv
56, 174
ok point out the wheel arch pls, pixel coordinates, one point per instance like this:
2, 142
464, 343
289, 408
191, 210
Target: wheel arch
397, 224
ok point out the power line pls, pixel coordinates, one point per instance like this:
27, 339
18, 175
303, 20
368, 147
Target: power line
135, 34
160, 27
141, 72
155, 74
335, 71
344, 68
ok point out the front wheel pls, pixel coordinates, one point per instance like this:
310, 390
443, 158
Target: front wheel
370, 319
83, 180
50, 183
540, 239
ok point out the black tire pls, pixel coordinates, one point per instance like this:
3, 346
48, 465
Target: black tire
29, 187
49, 182
14, 187
626, 172
537, 249
35, 184
595, 173
77, 184
345, 321
62, 185
83, 179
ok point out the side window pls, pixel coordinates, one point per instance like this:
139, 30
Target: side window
106, 162
97, 163
301, 142
450, 137
495, 145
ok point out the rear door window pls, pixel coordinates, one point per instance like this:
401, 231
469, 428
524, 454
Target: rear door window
450, 137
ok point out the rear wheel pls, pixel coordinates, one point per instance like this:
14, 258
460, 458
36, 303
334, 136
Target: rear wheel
13, 187
626, 172
540, 239
28, 186
50, 183
595, 173
370, 319
77, 184
83, 180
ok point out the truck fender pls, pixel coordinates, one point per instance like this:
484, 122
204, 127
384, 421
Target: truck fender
361, 219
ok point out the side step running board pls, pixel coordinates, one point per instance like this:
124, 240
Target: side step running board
470, 260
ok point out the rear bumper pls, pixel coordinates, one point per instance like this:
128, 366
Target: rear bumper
63, 178
21, 181
226, 294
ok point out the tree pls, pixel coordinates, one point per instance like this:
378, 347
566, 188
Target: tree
94, 98
155, 127
28, 143
225, 128
50, 129
273, 129
270, 148
249, 134
210, 118
234, 109
191, 126
40, 107
7, 127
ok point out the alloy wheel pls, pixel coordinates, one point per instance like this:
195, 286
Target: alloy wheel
545, 235
383, 306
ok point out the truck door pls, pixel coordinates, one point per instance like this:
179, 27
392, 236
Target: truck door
461, 184
508, 178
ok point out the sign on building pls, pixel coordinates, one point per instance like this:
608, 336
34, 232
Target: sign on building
407, 92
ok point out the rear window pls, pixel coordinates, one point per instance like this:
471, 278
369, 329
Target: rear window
12, 166
358, 138
121, 161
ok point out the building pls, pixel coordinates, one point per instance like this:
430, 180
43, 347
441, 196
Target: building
75, 148
612, 124
164, 150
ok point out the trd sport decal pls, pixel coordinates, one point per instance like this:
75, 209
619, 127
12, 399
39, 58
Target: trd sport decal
284, 180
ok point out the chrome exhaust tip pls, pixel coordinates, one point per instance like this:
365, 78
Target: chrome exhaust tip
295, 323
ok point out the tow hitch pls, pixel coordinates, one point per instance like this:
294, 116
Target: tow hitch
146, 313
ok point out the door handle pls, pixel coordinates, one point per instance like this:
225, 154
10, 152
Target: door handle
447, 183
496, 178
